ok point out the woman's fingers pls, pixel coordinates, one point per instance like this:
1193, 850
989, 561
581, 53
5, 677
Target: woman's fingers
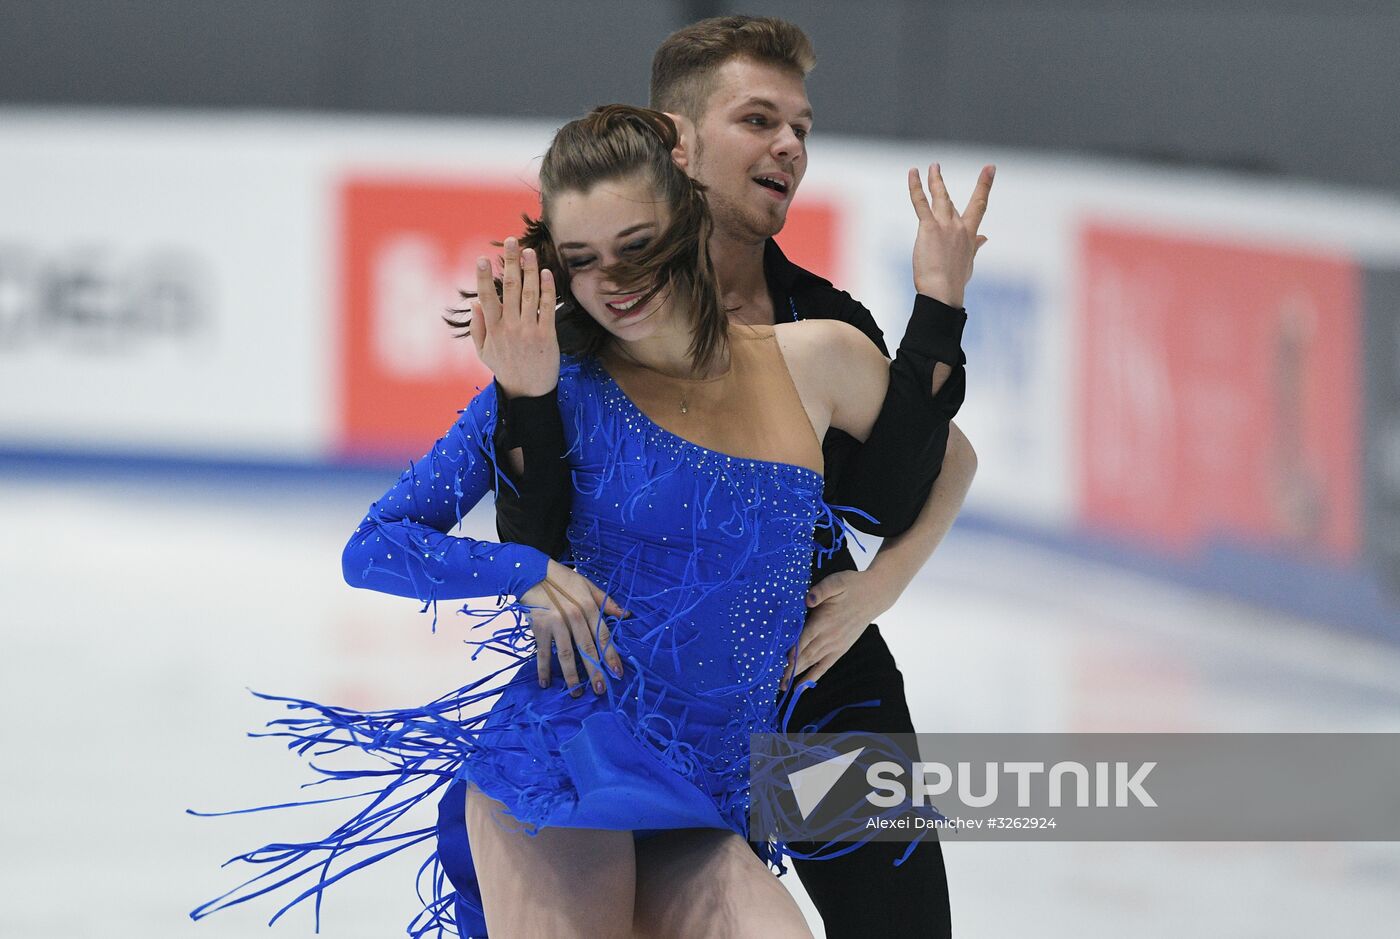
478, 325
564, 648
604, 602
510, 280
545, 624
570, 613
548, 299
529, 285
588, 647
543, 652
605, 645
575, 607
486, 292
576, 622
609, 606
583, 619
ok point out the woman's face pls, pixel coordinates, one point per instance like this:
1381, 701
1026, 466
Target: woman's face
612, 221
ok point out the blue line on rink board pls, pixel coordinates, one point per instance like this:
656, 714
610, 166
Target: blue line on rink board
1334, 595
80, 465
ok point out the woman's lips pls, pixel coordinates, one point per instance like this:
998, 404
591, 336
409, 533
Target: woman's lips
614, 305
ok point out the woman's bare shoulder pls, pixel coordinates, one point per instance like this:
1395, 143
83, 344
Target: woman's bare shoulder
825, 344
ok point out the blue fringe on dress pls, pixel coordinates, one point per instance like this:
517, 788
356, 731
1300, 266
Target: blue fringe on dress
710, 554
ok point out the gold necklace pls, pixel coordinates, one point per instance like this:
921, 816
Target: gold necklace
685, 394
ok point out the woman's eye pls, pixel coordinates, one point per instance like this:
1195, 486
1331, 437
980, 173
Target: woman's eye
575, 264
635, 246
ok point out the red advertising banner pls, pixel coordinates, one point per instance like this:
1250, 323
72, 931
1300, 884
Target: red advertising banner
1218, 389
407, 246
809, 239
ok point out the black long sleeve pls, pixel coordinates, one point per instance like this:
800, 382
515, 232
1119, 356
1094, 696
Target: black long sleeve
536, 512
890, 475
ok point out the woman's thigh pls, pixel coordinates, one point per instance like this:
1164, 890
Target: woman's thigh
703, 882
559, 882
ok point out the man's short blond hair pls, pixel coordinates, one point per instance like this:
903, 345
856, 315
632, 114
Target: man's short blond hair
683, 69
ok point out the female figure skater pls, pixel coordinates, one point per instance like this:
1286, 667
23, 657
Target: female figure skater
696, 457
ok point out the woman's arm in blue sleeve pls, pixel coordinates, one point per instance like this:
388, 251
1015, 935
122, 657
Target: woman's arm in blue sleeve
403, 547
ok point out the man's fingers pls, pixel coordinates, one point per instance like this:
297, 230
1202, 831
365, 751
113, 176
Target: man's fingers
529, 285
815, 672
823, 590
510, 280
938, 193
807, 647
916, 196
977, 205
486, 292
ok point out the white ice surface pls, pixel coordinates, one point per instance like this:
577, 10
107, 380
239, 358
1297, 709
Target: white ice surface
134, 612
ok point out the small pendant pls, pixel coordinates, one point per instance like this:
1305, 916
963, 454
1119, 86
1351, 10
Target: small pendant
684, 408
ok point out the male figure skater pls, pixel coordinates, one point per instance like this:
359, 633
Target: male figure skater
736, 88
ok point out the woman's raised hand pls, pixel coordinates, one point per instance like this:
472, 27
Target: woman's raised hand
514, 332
565, 610
947, 241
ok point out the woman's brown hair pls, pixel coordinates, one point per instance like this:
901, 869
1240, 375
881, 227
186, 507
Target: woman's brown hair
618, 141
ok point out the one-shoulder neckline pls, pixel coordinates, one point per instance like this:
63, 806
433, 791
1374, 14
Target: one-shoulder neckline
632, 406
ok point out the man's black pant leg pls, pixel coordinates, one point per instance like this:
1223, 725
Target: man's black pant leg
863, 894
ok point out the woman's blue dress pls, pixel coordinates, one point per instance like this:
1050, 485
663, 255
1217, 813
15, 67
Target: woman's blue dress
711, 556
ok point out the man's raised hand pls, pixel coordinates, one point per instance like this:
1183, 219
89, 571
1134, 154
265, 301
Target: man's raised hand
947, 241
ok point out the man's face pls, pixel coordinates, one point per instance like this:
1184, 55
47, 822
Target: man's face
750, 147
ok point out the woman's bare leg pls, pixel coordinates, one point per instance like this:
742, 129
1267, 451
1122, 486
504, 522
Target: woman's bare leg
561, 882
703, 882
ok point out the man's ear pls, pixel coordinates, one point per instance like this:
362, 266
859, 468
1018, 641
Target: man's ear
685, 140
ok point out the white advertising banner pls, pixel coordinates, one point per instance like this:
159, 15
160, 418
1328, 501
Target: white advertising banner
272, 286
170, 284
159, 289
